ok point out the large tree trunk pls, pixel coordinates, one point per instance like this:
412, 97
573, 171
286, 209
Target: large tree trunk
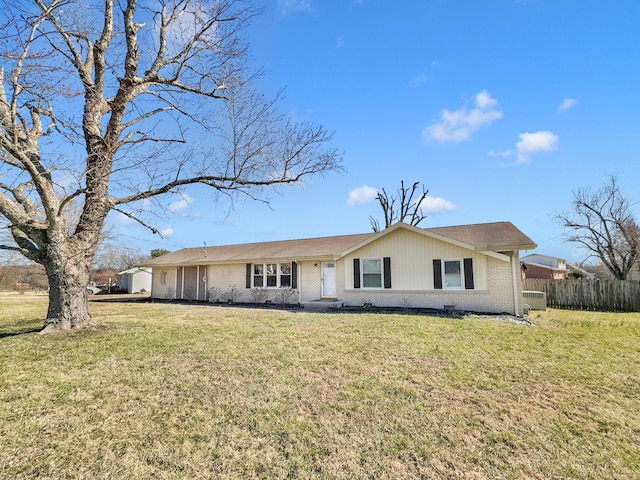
89, 86
68, 280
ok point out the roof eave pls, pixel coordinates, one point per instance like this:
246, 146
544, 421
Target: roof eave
504, 248
205, 261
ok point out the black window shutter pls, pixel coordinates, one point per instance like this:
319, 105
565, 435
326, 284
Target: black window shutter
248, 275
468, 273
356, 273
387, 271
437, 274
294, 275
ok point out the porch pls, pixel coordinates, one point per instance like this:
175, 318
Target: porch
322, 304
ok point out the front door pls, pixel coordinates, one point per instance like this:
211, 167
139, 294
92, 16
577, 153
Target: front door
329, 279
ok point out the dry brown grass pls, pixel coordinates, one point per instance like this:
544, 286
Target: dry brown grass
171, 392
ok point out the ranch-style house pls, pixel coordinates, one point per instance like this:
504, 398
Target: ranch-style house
469, 267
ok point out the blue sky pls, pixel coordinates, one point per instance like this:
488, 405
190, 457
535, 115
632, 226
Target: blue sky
500, 108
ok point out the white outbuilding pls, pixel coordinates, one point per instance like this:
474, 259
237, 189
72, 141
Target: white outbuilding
135, 279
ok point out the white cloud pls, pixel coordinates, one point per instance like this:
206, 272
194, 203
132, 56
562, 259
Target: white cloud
460, 124
531, 143
288, 6
484, 100
435, 205
503, 154
430, 205
362, 194
183, 202
567, 103
167, 232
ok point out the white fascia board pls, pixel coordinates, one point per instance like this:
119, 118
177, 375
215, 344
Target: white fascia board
499, 256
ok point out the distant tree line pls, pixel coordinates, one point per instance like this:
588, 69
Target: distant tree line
17, 272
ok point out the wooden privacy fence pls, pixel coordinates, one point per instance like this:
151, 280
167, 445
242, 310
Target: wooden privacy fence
586, 294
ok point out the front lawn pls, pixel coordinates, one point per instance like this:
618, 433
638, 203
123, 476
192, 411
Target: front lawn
173, 391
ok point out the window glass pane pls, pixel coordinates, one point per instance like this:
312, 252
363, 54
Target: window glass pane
285, 268
272, 276
372, 266
372, 273
452, 274
285, 274
372, 280
258, 275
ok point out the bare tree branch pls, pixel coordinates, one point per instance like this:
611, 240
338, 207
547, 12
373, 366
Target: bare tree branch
135, 218
409, 208
135, 102
602, 224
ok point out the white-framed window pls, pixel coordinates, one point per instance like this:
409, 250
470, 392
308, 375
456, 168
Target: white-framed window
285, 274
258, 275
453, 274
163, 278
372, 273
271, 275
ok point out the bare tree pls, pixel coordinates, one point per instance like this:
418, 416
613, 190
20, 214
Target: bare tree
117, 257
108, 106
401, 208
602, 223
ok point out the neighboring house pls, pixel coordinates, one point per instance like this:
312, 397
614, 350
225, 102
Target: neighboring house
135, 279
544, 266
470, 267
554, 262
576, 271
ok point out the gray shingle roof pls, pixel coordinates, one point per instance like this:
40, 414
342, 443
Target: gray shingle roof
308, 248
486, 236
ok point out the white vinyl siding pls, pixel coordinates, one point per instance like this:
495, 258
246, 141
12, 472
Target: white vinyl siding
412, 257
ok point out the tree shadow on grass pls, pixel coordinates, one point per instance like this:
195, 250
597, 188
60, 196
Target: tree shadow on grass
20, 332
